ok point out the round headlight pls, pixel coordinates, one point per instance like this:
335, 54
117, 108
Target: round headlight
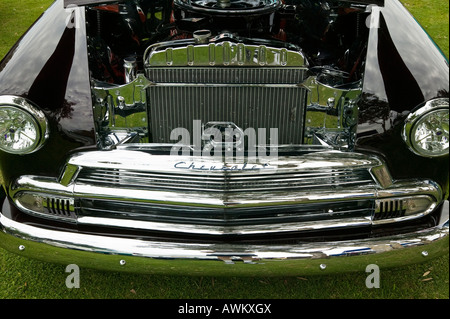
23, 127
426, 130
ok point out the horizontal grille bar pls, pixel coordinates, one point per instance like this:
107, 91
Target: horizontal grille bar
225, 222
225, 182
228, 216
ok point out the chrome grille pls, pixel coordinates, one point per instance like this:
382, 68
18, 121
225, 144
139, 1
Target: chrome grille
232, 182
151, 192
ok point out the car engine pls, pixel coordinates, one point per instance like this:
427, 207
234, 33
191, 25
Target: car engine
293, 65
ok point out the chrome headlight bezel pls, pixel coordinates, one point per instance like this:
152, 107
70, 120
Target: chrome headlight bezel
416, 118
34, 115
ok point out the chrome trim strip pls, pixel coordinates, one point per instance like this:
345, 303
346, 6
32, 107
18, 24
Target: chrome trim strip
140, 160
224, 230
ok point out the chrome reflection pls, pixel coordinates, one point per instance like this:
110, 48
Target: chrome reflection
158, 257
225, 49
120, 112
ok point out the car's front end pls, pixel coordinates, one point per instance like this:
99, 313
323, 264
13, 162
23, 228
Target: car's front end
225, 137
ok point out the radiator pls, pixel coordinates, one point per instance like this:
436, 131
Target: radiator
250, 97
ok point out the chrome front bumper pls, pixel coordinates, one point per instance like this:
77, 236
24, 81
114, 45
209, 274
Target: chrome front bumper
153, 257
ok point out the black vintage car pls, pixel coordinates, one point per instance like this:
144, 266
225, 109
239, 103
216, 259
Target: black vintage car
225, 137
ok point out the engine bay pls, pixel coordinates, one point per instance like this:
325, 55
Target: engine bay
293, 65
330, 34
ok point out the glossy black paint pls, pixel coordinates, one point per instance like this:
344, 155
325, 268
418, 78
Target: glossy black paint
404, 69
404, 66
49, 66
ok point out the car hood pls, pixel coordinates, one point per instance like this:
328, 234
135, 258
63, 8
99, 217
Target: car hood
88, 2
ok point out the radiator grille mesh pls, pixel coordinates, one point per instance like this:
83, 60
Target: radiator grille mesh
249, 97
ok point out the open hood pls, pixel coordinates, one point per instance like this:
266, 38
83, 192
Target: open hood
88, 2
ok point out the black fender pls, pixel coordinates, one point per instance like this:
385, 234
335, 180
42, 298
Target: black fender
404, 69
49, 67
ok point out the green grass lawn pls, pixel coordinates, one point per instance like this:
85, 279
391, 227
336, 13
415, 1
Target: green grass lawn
24, 278
16, 16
